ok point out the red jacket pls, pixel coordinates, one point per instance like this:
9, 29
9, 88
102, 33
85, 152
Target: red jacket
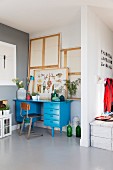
108, 95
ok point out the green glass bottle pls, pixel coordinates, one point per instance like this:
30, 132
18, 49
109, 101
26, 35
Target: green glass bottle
78, 131
69, 131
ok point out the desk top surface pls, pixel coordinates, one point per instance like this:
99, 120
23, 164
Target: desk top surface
41, 101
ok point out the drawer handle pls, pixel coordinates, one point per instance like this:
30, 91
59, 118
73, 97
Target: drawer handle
51, 116
51, 110
51, 121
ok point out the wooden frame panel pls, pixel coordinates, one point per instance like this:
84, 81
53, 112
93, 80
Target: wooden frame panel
65, 52
65, 64
43, 52
36, 52
70, 49
43, 66
52, 51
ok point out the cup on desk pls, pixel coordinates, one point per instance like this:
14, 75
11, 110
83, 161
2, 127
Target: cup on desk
38, 97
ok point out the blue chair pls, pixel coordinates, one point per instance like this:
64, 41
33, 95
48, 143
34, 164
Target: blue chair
31, 118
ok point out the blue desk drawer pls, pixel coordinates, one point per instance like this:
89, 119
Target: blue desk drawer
51, 117
51, 111
52, 105
52, 123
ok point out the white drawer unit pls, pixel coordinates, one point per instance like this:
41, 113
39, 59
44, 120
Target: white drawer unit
102, 134
5, 126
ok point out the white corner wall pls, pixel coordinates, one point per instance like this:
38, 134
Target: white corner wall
84, 79
95, 35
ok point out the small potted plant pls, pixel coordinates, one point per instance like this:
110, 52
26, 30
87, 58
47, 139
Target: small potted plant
3, 104
6, 110
34, 95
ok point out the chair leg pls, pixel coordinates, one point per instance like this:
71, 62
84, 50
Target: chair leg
18, 127
22, 127
29, 130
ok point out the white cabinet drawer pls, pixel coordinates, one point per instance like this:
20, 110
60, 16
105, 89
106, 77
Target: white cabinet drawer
102, 143
100, 131
112, 133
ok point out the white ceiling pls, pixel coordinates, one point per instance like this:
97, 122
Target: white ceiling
33, 16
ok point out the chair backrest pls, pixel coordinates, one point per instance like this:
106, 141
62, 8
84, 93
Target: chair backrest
24, 107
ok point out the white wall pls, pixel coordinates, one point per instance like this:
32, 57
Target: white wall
102, 39
70, 37
97, 36
70, 34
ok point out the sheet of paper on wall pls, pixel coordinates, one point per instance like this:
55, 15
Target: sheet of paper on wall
7, 63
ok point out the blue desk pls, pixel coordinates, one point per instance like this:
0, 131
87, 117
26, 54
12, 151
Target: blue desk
56, 114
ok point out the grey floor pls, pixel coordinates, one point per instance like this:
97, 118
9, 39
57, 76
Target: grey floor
47, 153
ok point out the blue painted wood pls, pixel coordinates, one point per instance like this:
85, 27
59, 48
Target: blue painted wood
56, 114
51, 116
51, 123
34, 108
60, 115
51, 111
51, 105
52, 131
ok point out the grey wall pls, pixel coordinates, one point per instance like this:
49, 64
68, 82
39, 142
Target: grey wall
21, 40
